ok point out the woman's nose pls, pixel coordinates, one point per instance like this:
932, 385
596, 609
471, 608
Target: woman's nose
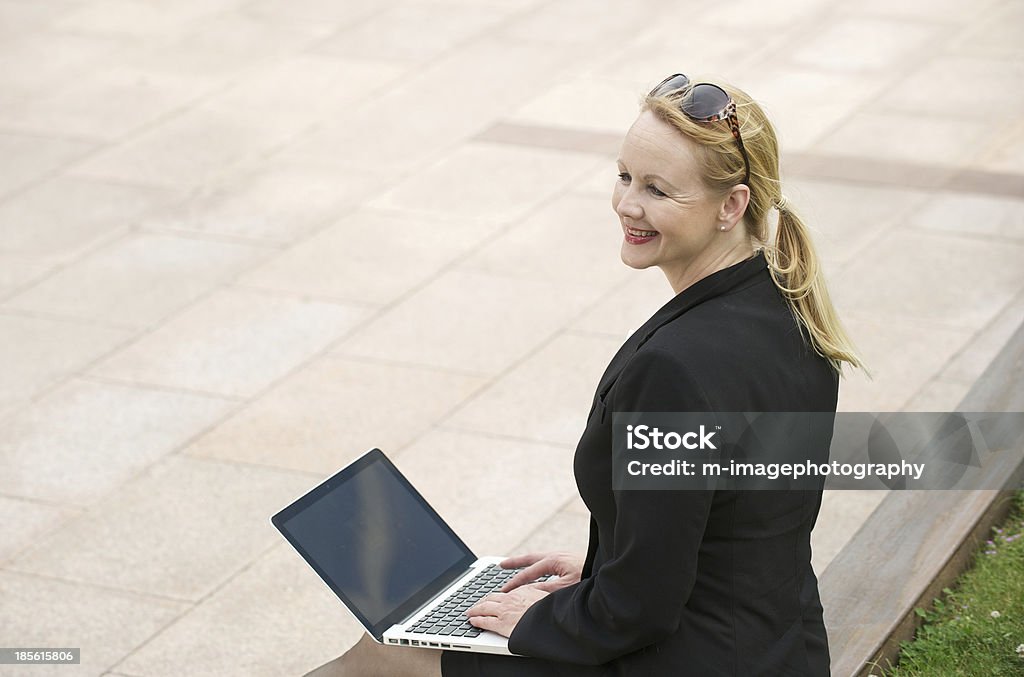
628, 206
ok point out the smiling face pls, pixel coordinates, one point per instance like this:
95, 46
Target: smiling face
668, 217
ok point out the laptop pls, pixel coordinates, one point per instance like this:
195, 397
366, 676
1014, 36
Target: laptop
397, 566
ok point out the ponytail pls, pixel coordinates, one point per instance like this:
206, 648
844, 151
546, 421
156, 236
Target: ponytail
795, 268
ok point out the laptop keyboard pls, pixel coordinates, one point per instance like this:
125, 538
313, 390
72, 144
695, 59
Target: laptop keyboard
449, 617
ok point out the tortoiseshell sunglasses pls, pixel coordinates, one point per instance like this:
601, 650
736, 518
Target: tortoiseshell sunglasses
705, 102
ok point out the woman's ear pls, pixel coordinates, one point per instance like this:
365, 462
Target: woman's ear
734, 205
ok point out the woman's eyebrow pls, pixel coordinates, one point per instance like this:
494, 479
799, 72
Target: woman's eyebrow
669, 186
648, 177
658, 177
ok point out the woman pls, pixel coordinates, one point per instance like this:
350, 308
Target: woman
695, 583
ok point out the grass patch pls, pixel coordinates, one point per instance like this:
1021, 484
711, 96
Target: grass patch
976, 629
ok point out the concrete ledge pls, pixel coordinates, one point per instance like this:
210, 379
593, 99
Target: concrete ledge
917, 542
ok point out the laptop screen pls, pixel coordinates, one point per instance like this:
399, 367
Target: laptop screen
375, 541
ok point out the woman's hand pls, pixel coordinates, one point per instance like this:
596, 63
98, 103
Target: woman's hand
500, 611
567, 567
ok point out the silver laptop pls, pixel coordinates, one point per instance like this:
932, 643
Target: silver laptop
397, 566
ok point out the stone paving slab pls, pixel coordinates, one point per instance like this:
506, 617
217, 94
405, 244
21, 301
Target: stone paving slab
58, 613
371, 256
277, 203
242, 241
971, 362
34, 63
15, 273
57, 221
84, 439
788, 90
454, 96
234, 343
895, 378
482, 466
495, 183
327, 414
947, 279
971, 215
396, 33
845, 219
29, 158
514, 314
300, 90
187, 547
138, 280
626, 307
105, 105
565, 531
38, 352
190, 149
938, 141
272, 619
1005, 156
26, 521
525, 404
562, 240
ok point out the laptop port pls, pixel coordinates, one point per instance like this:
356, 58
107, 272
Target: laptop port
393, 641
433, 644
445, 646
461, 646
415, 642
405, 642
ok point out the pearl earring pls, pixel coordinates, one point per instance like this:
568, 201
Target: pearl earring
721, 227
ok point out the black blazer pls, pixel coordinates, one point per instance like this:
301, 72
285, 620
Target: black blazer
699, 583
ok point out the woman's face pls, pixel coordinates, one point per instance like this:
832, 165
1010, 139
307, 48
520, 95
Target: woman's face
668, 219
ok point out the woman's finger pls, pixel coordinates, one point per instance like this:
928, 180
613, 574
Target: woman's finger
551, 584
488, 607
517, 561
529, 574
484, 622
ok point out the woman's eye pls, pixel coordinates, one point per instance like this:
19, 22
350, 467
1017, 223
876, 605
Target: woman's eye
624, 177
655, 191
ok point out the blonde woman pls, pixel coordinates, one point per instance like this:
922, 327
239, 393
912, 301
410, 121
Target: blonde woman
683, 583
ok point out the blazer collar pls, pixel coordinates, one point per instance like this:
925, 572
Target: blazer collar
718, 283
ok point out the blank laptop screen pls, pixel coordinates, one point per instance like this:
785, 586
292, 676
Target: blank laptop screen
375, 541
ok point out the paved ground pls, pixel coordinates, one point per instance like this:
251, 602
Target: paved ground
243, 241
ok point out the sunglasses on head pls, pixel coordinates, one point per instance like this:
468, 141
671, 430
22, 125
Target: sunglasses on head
705, 102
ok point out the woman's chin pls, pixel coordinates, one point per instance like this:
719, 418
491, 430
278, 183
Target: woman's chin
631, 259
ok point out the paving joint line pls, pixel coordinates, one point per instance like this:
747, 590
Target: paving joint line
196, 604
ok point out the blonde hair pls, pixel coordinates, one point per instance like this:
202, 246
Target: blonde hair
792, 260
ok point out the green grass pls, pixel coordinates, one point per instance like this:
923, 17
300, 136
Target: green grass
977, 627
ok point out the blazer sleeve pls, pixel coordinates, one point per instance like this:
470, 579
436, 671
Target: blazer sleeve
635, 598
